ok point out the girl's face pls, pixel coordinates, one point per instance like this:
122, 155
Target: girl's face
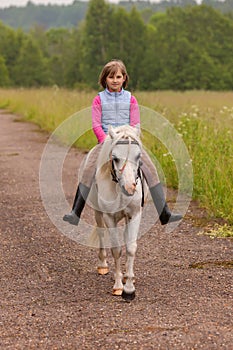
115, 81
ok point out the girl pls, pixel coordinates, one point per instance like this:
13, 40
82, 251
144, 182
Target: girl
116, 106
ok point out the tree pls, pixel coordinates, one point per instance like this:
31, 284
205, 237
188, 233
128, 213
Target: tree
95, 40
189, 49
30, 67
73, 76
10, 42
59, 49
4, 76
135, 46
112, 33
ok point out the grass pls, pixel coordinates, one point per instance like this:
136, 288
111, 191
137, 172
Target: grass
203, 119
219, 231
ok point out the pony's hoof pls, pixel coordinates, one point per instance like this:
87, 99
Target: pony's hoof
127, 296
117, 292
103, 270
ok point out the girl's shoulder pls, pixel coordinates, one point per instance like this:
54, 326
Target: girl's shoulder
133, 99
96, 100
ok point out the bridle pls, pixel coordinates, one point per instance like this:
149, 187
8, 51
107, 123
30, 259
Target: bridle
121, 170
115, 178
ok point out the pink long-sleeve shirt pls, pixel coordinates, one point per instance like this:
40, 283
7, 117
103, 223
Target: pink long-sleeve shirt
97, 114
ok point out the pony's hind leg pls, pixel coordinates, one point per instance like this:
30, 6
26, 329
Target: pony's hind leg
102, 256
102, 262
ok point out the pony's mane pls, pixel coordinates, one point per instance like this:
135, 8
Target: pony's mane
124, 132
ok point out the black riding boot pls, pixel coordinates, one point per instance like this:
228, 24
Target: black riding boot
79, 203
165, 216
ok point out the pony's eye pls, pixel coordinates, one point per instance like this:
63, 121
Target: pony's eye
138, 157
115, 159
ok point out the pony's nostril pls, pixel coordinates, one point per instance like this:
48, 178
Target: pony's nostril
129, 190
132, 189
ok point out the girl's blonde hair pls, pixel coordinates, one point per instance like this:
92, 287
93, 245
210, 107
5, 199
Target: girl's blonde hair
111, 69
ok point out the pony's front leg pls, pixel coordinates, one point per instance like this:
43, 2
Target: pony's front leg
131, 249
131, 233
116, 250
118, 285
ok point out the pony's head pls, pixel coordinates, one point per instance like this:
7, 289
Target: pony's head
122, 152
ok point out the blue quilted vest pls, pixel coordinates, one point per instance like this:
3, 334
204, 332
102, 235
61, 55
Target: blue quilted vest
115, 108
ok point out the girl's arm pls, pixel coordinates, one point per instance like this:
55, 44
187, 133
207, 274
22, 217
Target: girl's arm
96, 120
134, 113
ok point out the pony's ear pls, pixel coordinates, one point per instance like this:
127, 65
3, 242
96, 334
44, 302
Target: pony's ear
111, 132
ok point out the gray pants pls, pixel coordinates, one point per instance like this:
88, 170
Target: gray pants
88, 172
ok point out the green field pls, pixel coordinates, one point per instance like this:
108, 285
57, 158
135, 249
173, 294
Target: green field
203, 119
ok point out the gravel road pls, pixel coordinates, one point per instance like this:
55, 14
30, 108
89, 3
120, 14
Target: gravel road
52, 297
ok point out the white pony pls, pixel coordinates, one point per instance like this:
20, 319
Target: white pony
120, 190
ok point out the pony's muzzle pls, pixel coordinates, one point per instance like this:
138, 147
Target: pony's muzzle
129, 190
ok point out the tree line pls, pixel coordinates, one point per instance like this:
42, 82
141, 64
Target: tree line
68, 16
183, 48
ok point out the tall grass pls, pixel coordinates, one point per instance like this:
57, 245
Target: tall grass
204, 119
49, 107
211, 149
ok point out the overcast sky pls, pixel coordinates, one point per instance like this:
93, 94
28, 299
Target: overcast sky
7, 3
